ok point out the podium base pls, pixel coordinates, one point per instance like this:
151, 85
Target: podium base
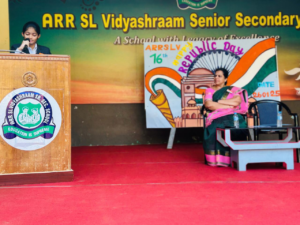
36, 178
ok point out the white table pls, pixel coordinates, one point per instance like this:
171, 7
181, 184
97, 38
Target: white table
251, 151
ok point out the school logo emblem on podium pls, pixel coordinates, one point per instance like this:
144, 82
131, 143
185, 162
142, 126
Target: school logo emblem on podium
197, 4
30, 117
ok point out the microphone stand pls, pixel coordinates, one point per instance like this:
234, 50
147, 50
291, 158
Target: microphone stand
11, 51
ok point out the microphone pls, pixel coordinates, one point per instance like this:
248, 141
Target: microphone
26, 46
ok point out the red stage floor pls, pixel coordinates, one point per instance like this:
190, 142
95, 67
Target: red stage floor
152, 185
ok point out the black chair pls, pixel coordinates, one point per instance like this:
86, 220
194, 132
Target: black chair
203, 113
265, 112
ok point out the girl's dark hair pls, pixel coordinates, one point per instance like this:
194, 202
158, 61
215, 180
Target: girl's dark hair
225, 73
32, 24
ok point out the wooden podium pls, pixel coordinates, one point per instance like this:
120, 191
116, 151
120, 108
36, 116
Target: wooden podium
35, 141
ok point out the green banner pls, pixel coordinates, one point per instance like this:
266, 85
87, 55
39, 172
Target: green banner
105, 38
28, 134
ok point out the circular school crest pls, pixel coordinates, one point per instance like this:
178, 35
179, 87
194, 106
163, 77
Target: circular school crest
30, 118
29, 79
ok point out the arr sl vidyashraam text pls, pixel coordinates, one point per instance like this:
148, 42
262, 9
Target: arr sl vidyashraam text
120, 22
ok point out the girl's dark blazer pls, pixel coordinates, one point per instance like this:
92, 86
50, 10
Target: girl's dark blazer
40, 49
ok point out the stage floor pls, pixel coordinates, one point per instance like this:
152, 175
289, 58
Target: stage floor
153, 185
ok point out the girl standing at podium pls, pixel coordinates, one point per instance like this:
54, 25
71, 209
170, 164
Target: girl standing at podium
31, 33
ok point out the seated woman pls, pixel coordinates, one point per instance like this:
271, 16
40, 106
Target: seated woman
221, 102
31, 33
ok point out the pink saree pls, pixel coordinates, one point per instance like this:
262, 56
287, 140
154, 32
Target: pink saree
241, 109
215, 153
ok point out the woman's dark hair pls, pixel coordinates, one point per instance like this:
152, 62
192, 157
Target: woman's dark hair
32, 24
225, 73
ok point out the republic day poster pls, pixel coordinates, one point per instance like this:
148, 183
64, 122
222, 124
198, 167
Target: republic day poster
177, 75
105, 38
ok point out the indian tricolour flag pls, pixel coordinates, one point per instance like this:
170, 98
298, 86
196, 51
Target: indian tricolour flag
258, 63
